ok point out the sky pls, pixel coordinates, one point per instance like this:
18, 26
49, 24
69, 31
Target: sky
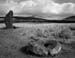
41, 8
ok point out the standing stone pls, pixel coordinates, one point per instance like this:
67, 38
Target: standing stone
9, 19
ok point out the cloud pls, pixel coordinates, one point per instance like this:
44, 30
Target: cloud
67, 7
37, 6
52, 7
64, 1
57, 8
23, 6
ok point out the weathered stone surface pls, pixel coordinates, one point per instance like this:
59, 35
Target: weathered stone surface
56, 49
9, 19
38, 48
45, 49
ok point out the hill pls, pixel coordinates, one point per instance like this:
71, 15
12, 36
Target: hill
70, 18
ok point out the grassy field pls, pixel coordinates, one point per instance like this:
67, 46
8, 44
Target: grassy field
12, 40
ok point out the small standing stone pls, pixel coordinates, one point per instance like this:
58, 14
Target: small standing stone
9, 19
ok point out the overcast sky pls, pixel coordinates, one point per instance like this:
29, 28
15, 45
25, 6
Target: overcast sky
38, 7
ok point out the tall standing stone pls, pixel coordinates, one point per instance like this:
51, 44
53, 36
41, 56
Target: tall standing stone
9, 19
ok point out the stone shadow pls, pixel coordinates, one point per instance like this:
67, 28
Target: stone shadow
25, 50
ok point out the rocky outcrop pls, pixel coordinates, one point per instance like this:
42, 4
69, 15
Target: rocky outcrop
48, 48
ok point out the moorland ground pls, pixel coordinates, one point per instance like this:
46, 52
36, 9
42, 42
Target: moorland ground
12, 40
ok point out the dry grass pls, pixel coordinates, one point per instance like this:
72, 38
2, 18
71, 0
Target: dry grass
12, 40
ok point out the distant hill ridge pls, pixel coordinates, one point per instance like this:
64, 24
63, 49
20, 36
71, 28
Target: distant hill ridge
36, 19
70, 18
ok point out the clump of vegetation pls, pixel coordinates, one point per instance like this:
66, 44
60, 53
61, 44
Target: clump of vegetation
64, 34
